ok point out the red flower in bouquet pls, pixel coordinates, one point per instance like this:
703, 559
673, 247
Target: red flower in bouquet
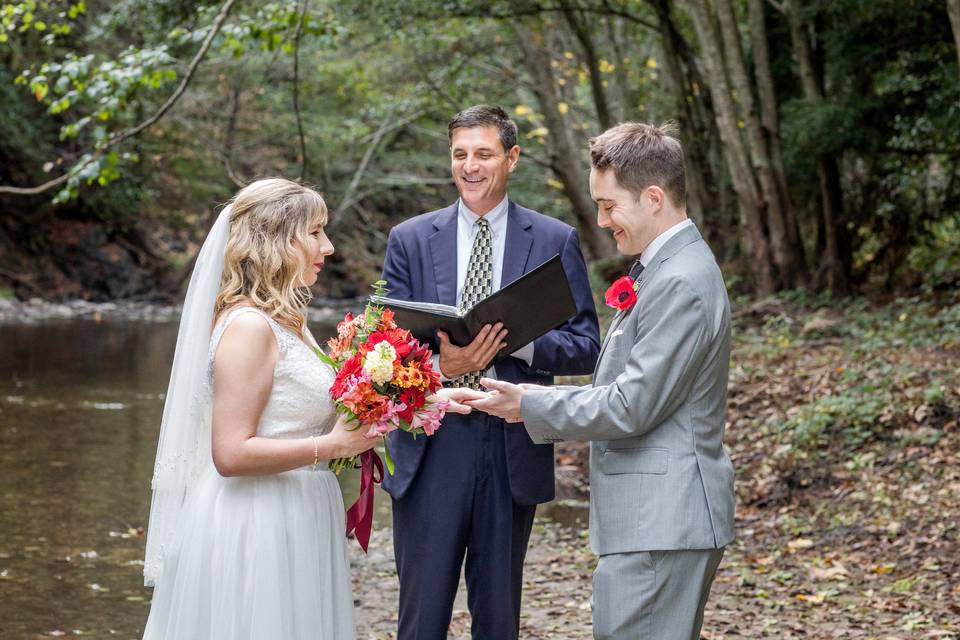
383, 379
621, 294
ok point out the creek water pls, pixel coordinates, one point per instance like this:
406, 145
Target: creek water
80, 408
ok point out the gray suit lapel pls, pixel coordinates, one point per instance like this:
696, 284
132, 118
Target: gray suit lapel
683, 238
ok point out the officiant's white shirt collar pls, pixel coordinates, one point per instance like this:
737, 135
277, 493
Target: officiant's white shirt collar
648, 254
496, 217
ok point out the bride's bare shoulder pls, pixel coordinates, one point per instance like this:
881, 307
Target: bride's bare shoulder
247, 334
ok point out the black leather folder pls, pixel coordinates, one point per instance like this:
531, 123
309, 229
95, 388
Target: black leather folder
528, 307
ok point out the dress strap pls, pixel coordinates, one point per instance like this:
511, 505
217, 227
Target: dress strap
282, 336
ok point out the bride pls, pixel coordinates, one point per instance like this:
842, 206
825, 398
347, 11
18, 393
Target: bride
246, 535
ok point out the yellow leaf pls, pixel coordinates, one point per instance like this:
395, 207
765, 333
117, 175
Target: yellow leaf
798, 544
606, 67
568, 55
741, 124
553, 182
882, 569
522, 110
651, 63
814, 599
563, 107
539, 132
836, 572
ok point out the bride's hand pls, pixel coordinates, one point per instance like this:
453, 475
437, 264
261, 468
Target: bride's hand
348, 440
456, 396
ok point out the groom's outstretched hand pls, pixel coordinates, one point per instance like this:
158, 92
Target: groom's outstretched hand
503, 402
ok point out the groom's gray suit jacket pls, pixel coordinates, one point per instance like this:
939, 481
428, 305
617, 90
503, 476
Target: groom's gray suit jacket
660, 478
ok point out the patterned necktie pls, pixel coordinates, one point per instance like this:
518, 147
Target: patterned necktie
636, 270
477, 287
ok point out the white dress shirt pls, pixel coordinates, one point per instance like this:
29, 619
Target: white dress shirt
466, 233
647, 256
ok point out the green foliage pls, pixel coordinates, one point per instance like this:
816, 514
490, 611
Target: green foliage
378, 81
51, 19
937, 256
892, 99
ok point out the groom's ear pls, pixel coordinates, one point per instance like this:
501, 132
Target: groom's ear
656, 196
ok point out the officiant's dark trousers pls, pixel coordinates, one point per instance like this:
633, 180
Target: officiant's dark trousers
460, 507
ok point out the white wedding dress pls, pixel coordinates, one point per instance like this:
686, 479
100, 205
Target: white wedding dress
262, 557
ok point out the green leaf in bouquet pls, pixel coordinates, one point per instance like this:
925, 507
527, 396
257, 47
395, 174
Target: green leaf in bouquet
324, 358
387, 458
380, 288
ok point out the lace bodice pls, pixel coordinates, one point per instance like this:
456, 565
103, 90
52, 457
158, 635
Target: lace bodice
300, 403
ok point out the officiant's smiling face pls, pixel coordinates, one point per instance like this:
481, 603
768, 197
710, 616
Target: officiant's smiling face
481, 166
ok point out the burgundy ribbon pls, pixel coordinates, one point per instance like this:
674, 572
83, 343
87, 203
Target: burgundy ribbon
360, 514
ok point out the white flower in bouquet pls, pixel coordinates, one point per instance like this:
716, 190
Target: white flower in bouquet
379, 362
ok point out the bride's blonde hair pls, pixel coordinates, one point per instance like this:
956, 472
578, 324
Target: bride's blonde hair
265, 257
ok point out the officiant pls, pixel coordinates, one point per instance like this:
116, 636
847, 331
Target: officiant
467, 496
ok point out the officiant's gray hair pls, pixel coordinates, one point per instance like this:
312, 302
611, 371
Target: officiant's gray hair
642, 155
485, 115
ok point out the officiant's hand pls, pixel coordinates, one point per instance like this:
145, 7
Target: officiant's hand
503, 402
476, 356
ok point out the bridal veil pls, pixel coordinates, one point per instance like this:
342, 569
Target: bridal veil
184, 446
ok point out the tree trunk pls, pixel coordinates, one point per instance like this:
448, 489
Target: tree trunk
752, 206
565, 158
697, 169
770, 123
789, 264
953, 8
626, 103
833, 271
581, 31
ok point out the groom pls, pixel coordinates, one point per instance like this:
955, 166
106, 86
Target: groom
661, 484
471, 490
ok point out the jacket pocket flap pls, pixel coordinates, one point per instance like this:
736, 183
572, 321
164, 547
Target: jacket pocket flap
639, 460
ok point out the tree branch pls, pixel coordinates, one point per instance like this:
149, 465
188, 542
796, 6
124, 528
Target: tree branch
227, 152
296, 87
348, 198
582, 33
126, 134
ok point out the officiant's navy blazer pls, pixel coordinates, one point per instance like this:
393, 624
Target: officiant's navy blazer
421, 265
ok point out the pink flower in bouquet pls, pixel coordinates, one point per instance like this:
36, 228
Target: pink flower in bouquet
429, 419
389, 420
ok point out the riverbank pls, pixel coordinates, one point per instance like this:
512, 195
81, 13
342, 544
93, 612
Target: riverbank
36, 310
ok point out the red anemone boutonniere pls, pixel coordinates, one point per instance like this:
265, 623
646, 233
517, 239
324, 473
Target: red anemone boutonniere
621, 295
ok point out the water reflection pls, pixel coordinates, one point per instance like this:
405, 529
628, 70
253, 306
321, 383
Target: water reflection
80, 407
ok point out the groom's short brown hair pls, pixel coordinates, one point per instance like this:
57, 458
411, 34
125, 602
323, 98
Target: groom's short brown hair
642, 155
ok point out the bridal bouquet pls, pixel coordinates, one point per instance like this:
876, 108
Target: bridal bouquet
384, 377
